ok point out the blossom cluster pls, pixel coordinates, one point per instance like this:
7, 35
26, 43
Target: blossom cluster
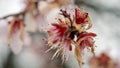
66, 35
16, 32
71, 32
102, 61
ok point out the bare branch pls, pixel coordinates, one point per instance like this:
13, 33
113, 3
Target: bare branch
17, 14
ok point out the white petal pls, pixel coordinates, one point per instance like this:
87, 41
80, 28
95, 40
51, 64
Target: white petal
27, 40
16, 43
3, 32
30, 23
42, 25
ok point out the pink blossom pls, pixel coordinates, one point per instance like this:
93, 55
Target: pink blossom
80, 17
103, 61
13, 33
85, 39
58, 37
63, 34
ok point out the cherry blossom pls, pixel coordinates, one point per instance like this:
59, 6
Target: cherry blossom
63, 34
102, 61
14, 34
59, 38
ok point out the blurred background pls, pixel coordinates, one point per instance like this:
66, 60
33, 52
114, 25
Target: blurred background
105, 15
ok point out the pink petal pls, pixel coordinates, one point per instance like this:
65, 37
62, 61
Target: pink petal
80, 16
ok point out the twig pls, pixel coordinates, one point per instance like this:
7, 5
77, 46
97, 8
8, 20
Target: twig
17, 14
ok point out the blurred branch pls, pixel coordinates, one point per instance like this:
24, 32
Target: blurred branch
9, 63
17, 14
30, 5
